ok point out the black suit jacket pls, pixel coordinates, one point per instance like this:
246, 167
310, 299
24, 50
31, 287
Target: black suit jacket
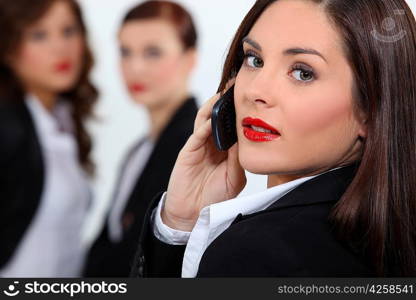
21, 175
109, 259
291, 238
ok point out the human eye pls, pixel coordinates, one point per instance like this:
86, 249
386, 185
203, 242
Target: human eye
302, 73
125, 52
37, 35
70, 31
253, 60
152, 52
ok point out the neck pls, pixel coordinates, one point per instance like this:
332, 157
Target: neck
161, 115
46, 98
274, 180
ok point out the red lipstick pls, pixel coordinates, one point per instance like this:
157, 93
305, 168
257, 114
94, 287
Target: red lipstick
63, 66
136, 88
257, 130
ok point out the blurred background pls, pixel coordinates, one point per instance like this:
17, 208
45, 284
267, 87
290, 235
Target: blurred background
119, 122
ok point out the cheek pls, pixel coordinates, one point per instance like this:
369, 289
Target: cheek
241, 81
126, 71
76, 53
78, 49
33, 57
310, 116
167, 71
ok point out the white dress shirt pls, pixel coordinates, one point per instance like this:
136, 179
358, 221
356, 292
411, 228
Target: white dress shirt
213, 220
51, 245
133, 167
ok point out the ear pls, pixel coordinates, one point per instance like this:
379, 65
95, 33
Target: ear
362, 131
190, 59
361, 119
362, 126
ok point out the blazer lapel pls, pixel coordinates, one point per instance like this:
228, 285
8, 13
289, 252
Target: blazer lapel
328, 187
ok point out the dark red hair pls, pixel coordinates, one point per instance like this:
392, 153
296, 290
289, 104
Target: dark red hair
169, 11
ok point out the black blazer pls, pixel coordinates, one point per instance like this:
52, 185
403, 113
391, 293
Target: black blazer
291, 238
21, 175
108, 259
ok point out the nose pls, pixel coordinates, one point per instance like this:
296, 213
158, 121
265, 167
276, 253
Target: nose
259, 89
137, 64
61, 45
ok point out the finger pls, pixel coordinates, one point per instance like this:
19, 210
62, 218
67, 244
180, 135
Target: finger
205, 111
235, 173
199, 137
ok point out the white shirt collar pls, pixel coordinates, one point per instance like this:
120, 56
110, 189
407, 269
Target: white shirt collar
43, 119
50, 122
223, 213
216, 218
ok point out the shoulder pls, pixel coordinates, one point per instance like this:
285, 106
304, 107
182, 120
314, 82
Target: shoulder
15, 126
183, 119
284, 230
293, 241
13, 112
180, 127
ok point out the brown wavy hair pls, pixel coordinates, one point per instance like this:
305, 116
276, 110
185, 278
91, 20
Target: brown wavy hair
15, 17
169, 11
377, 214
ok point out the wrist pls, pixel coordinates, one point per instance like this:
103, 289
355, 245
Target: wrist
177, 223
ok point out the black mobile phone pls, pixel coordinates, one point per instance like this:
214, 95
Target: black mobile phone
223, 121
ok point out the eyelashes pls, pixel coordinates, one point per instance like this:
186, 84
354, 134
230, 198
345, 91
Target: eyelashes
300, 72
148, 53
250, 57
252, 60
41, 34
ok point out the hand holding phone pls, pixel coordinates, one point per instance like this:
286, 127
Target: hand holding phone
223, 121
203, 175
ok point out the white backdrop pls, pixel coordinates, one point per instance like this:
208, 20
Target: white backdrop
120, 122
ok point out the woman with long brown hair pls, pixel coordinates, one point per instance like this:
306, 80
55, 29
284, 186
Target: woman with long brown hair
45, 99
158, 51
325, 98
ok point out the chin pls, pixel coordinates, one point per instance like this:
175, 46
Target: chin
62, 85
255, 165
267, 163
137, 99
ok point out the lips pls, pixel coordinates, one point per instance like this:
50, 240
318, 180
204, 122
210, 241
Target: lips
137, 88
257, 130
63, 66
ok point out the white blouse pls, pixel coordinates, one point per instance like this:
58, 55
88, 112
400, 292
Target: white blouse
213, 220
51, 246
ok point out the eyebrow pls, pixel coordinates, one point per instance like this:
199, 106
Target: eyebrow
249, 41
294, 51
290, 51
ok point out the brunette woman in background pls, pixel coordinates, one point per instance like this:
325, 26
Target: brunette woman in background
45, 99
158, 49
